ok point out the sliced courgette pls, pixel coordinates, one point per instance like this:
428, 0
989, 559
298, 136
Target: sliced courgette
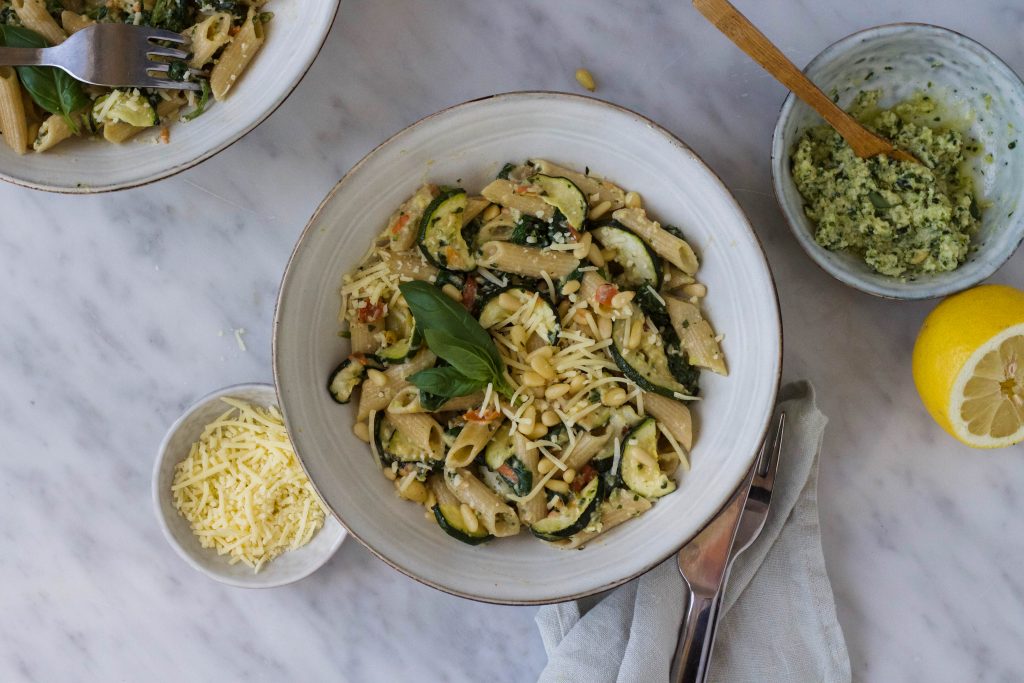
647, 365
124, 106
402, 324
394, 446
347, 376
632, 263
564, 195
449, 518
574, 517
645, 478
500, 456
440, 237
622, 420
543, 320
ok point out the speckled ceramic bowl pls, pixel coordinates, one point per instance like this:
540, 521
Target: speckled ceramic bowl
974, 86
285, 568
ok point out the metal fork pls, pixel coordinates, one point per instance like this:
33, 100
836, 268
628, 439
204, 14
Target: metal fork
113, 55
705, 561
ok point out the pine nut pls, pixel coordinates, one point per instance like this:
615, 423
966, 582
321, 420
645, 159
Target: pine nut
622, 298
614, 397
599, 210
508, 301
563, 308
491, 212
556, 391
586, 79
595, 256
604, 326
568, 475
633, 200
577, 382
517, 334
362, 431
539, 431
543, 368
697, 290
544, 466
469, 517
635, 334
452, 292
533, 379
550, 418
557, 485
389, 474
415, 491
583, 246
541, 352
571, 287
377, 377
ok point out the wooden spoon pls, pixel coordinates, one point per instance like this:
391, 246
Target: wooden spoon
739, 30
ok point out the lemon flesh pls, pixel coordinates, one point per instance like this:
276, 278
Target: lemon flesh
969, 366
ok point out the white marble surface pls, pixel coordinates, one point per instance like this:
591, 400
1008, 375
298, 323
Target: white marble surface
119, 310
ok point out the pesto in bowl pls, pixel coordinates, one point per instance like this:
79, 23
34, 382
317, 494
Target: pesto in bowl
902, 218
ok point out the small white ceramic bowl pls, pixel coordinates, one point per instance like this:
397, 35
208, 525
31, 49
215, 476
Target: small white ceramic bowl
285, 568
82, 166
972, 83
470, 142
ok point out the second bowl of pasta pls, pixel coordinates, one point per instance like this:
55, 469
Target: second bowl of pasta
501, 339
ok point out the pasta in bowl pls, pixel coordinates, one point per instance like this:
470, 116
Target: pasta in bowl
525, 357
243, 59
516, 333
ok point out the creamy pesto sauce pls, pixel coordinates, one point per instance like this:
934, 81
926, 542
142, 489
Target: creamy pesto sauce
902, 218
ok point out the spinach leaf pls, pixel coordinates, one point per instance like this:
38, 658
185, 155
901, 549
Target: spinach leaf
51, 88
173, 15
204, 97
444, 383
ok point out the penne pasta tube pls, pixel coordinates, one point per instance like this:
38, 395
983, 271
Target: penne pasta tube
535, 509
34, 16
588, 286
528, 261
411, 265
504, 192
672, 415
696, 335
590, 186
13, 123
72, 21
621, 506
674, 250
208, 36
119, 131
587, 446
404, 225
53, 130
470, 442
496, 516
237, 55
374, 397
364, 337
422, 430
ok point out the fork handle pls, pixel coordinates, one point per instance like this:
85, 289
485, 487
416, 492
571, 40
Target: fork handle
692, 652
23, 56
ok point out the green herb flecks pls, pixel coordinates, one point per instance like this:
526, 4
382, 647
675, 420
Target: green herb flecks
51, 88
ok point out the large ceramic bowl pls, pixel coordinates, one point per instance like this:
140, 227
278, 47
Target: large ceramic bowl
470, 142
294, 38
980, 94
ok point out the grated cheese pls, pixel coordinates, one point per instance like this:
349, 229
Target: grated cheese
241, 488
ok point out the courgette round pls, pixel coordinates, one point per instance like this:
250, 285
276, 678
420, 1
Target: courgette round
641, 477
647, 365
632, 262
564, 195
500, 457
394, 446
492, 313
349, 374
449, 518
574, 517
440, 237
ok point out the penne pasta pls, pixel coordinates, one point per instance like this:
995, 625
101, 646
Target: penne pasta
410, 265
504, 192
404, 225
237, 55
72, 21
13, 123
208, 36
34, 16
534, 509
53, 130
497, 517
420, 429
528, 261
596, 189
374, 397
674, 250
696, 335
620, 507
119, 131
673, 415
470, 441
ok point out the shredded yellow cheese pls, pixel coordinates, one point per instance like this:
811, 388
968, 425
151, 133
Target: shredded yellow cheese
241, 488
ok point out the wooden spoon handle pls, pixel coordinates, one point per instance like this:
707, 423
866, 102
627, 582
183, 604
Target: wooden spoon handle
739, 30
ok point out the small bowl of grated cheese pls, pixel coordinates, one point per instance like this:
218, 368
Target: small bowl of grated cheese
232, 498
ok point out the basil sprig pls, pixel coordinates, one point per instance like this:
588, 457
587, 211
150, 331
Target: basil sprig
51, 88
456, 337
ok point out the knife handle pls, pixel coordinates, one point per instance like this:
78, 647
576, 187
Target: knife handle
692, 652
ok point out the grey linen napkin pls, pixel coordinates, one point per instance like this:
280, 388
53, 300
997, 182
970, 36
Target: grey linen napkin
779, 586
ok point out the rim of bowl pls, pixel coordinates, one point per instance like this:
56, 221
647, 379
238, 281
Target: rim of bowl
903, 291
180, 168
156, 490
671, 138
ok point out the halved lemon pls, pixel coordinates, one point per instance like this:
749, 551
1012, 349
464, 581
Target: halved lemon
969, 366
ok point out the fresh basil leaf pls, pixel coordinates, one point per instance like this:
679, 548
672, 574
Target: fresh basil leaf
446, 381
470, 360
51, 88
434, 310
